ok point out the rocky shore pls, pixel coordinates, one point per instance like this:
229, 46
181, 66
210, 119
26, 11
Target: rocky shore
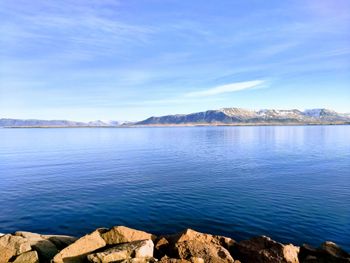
126, 245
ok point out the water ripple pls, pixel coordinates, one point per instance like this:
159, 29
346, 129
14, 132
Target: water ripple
291, 183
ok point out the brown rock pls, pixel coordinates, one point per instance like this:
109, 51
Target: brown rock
27, 257
190, 234
192, 244
290, 253
142, 250
161, 247
122, 234
139, 260
166, 259
196, 260
328, 252
264, 250
28, 235
60, 241
11, 246
77, 251
209, 252
47, 246
334, 250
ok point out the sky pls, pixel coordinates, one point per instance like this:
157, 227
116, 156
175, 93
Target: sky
131, 59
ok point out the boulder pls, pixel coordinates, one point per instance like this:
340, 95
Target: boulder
334, 250
143, 250
290, 253
196, 260
47, 246
60, 241
27, 257
190, 234
162, 247
328, 252
77, 251
139, 260
122, 234
209, 252
11, 246
263, 249
125, 245
192, 244
28, 235
166, 259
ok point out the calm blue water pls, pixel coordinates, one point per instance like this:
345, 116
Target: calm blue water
291, 183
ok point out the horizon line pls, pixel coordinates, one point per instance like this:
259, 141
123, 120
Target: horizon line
174, 114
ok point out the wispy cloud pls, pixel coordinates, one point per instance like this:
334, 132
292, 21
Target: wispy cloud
146, 57
227, 88
84, 33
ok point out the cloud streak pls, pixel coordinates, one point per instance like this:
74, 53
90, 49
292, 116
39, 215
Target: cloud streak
227, 88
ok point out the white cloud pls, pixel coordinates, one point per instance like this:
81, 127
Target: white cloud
227, 88
79, 31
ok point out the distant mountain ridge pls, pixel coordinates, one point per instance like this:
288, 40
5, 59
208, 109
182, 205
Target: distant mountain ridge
232, 116
54, 123
224, 116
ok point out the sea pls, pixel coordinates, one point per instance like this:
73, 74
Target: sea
291, 183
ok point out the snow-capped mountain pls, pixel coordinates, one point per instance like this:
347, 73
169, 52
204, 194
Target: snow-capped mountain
243, 116
224, 116
99, 123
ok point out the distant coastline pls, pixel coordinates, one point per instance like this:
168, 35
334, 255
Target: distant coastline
221, 117
178, 125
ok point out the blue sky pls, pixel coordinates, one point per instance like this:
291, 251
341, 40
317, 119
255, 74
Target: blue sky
128, 60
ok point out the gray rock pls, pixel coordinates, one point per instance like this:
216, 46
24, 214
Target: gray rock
46, 249
47, 246
60, 241
141, 250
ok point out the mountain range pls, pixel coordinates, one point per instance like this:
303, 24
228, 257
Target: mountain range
224, 116
54, 123
238, 116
